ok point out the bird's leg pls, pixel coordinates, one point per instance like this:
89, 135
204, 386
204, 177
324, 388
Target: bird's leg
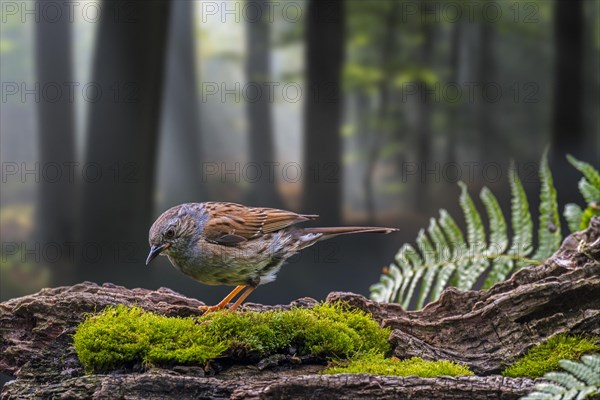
239, 301
223, 302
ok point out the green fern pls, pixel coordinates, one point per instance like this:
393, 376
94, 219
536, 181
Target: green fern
549, 235
589, 186
444, 258
580, 381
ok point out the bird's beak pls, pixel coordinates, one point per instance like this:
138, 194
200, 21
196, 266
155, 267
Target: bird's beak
155, 250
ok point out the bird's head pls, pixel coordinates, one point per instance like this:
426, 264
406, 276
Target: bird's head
174, 231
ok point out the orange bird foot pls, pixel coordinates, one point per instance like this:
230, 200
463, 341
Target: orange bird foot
209, 309
228, 298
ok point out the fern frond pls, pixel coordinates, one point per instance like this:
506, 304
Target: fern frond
590, 193
498, 238
417, 263
521, 221
475, 229
549, 235
579, 381
549, 390
404, 260
581, 371
455, 248
501, 266
445, 257
382, 290
428, 258
592, 361
573, 214
539, 396
589, 186
564, 379
589, 172
469, 272
440, 248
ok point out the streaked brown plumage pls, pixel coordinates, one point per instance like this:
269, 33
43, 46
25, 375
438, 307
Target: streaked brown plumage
231, 244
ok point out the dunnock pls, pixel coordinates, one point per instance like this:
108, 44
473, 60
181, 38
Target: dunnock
231, 244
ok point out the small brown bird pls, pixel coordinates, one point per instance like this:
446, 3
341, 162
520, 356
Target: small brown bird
231, 244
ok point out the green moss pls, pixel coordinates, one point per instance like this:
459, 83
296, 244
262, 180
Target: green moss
376, 363
124, 336
545, 356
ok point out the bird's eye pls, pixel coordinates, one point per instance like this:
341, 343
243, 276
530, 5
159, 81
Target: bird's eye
169, 234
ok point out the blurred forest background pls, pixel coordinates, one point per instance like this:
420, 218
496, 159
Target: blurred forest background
365, 112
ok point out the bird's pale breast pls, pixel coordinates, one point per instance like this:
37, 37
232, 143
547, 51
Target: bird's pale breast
253, 262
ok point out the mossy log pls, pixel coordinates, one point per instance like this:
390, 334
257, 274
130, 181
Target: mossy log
485, 330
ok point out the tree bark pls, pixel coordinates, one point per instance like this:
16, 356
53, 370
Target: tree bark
323, 110
122, 135
485, 330
56, 131
168, 384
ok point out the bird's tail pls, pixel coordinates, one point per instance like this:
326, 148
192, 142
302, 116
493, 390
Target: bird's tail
344, 230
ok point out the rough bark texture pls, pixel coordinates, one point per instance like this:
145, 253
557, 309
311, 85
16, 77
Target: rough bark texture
485, 330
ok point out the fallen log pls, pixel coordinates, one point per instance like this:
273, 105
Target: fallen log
485, 330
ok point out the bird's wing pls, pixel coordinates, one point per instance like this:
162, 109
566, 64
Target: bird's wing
231, 223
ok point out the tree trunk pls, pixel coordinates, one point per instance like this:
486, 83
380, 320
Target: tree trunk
424, 136
493, 147
323, 110
485, 330
56, 197
384, 114
180, 152
567, 126
121, 144
568, 110
453, 108
263, 189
